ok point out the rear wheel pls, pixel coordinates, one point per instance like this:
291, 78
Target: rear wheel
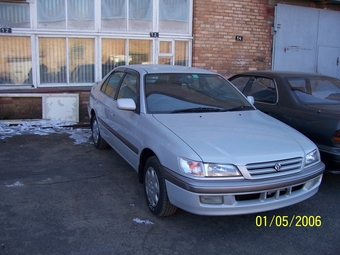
155, 189
98, 141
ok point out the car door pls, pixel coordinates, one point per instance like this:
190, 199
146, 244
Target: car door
291, 111
124, 123
103, 104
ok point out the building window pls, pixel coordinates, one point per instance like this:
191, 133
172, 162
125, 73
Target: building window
52, 60
140, 15
15, 15
77, 42
15, 60
182, 53
113, 54
53, 13
81, 60
174, 16
56, 67
173, 53
80, 14
140, 51
114, 15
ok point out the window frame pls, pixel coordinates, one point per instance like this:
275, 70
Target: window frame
137, 74
248, 89
105, 83
34, 32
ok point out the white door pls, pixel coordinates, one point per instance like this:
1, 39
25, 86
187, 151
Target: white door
306, 39
295, 38
329, 61
328, 58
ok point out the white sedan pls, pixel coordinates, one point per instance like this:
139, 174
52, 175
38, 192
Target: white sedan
198, 144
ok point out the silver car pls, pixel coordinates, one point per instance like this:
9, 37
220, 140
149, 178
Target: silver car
199, 144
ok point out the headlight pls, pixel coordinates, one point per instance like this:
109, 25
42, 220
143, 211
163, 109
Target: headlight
195, 168
312, 157
191, 167
221, 170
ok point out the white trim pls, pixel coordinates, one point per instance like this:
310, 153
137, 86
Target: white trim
21, 95
35, 60
33, 14
97, 16
67, 64
97, 59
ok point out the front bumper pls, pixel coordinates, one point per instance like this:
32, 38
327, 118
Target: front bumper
241, 196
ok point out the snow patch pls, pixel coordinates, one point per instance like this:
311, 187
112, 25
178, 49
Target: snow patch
146, 222
16, 184
10, 128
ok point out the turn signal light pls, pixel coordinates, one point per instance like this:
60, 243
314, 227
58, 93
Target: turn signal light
336, 136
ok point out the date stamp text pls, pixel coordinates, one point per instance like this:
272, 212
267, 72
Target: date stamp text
288, 221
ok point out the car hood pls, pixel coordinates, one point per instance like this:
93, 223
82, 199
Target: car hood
238, 137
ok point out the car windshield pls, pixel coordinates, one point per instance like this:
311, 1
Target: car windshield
320, 90
188, 93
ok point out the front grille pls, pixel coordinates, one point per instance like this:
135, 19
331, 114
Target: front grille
274, 168
269, 194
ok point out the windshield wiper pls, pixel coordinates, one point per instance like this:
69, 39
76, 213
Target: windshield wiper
241, 108
199, 109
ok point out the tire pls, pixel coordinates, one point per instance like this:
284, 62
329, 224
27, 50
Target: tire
155, 189
98, 141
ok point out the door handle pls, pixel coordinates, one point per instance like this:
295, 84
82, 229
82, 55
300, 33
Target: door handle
337, 61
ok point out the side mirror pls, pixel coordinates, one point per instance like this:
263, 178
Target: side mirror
126, 104
251, 99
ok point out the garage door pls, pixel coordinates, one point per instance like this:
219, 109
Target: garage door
306, 39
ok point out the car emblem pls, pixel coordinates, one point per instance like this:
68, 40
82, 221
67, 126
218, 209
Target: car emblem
277, 167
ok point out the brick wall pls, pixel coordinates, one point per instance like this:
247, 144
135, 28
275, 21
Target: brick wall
216, 23
83, 101
31, 107
20, 108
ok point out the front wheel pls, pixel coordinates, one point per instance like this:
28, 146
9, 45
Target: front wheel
98, 141
155, 189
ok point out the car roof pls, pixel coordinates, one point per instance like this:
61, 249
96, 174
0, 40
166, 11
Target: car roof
274, 73
154, 68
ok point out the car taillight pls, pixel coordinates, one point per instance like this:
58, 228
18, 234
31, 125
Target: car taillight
336, 136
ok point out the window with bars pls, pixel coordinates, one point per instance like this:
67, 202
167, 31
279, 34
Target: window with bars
15, 60
66, 44
66, 60
174, 16
15, 15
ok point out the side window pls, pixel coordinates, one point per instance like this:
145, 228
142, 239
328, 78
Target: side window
299, 84
128, 89
263, 90
111, 84
240, 82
